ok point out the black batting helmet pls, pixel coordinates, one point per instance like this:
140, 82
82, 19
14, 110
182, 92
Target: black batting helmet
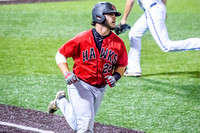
100, 8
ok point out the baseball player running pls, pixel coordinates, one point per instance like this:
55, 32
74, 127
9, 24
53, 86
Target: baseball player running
100, 58
153, 19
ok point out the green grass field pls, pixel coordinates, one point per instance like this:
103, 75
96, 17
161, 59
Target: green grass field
166, 99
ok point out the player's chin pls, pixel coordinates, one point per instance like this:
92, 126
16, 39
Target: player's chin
112, 27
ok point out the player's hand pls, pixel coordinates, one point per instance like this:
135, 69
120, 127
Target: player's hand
70, 78
121, 28
110, 80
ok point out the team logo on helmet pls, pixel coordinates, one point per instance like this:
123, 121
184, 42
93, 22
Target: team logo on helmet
113, 7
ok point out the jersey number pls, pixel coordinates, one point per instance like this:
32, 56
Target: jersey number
107, 68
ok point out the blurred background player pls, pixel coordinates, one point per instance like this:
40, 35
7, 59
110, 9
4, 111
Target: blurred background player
100, 58
153, 19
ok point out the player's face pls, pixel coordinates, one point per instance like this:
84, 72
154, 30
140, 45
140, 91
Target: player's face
110, 20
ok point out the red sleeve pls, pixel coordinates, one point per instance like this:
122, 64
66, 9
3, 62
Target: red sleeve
70, 48
123, 56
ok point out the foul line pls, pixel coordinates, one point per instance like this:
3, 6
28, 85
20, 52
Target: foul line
24, 127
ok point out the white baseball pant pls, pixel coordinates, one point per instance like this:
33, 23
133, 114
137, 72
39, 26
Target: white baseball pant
154, 20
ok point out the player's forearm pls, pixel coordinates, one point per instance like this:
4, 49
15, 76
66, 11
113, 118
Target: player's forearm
128, 7
120, 70
63, 67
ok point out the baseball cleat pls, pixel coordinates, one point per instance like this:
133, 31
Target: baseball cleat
132, 74
53, 104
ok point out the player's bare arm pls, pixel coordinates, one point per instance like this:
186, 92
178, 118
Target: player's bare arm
120, 70
128, 8
62, 63
63, 67
123, 27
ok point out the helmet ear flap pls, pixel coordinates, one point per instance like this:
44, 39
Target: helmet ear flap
100, 18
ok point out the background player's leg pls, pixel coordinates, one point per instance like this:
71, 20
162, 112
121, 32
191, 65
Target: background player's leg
135, 34
156, 23
156, 16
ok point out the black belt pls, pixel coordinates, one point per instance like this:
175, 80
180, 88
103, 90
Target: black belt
151, 5
98, 86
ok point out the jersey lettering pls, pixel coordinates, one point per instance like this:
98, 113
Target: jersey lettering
114, 59
92, 53
110, 56
85, 55
103, 53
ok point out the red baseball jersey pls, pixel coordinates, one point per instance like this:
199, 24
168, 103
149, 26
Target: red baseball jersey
91, 65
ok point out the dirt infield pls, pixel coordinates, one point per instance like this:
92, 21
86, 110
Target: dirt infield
16, 119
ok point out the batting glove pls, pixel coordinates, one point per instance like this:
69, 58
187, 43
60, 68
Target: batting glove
70, 78
110, 80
